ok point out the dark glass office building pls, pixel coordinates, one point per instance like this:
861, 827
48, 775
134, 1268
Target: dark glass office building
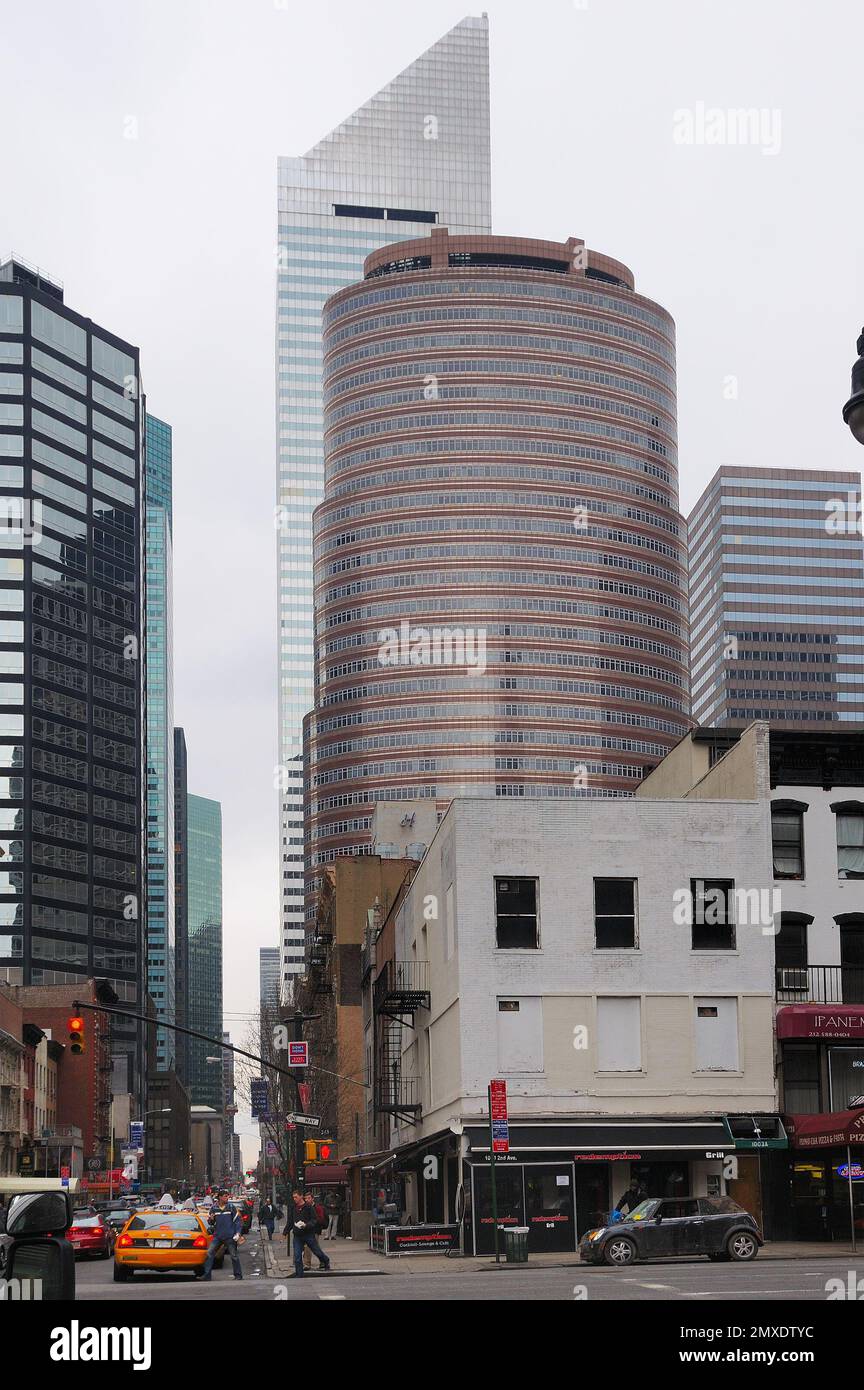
204, 917
71, 645
181, 912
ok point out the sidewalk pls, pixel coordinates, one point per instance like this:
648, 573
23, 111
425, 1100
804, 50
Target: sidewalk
352, 1258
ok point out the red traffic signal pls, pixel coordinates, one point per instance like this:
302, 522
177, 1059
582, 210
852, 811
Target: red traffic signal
326, 1151
76, 1036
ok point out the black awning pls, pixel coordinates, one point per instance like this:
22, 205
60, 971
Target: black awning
624, 1138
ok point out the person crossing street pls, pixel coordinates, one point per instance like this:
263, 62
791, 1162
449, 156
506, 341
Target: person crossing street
305, 1230
226, 1226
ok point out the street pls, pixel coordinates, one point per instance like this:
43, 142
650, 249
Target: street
690, 1281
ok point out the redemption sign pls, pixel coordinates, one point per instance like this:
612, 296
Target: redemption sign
413, 1240
298, 1054
498, 1119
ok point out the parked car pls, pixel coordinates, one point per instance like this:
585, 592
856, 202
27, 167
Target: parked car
90, 1234
117, 1216
159, 1240
669, 1227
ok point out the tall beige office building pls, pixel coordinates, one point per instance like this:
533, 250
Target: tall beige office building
415, 155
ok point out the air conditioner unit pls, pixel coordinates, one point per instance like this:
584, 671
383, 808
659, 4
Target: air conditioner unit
794, 979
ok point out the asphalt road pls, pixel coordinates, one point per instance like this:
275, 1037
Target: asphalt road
690, 1281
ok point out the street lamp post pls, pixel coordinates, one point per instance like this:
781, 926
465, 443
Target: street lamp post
853, 410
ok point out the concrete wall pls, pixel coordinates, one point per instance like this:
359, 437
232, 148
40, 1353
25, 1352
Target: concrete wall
663, 844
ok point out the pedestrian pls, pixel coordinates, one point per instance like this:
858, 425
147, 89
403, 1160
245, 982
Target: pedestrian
226, 1228
629, 1199
266, 1217
333, 1204
305, 1230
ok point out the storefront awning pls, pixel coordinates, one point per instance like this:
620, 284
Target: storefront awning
838, 1128
821, 1021
614, 1139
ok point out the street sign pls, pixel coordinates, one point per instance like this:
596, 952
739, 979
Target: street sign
270, 1149
260, 1094
95, 1164
308, 1121
136, 1134
498, 1117
298, 1054
64, 1182
65, 1172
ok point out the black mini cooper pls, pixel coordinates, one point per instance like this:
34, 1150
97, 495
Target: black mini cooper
664, 1227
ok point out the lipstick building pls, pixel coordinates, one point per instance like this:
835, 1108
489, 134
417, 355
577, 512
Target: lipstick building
500, 590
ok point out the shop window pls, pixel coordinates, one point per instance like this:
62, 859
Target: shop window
716, 1026
520, 1034
516, 921
787, 838
846, 1076
619, 1034
850, 838
713, 920
615, 914
801, 1078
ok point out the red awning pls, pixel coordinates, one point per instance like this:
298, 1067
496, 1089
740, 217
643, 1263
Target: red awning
833, 1130
325, 1174
821, 1021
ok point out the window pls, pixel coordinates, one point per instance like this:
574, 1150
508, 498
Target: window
619, 1034
787, 838
790, 943
850, 838
516, 925
615, 914
801, 1078
520, 1034
716, 1025
713, 922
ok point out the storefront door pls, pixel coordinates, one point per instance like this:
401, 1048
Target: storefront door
549, 1206
509, 1201
592, 1196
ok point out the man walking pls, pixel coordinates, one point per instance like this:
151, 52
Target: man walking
226, 1229
305, 1231
266, 1217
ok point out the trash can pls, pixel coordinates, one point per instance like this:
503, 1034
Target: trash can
516, 1244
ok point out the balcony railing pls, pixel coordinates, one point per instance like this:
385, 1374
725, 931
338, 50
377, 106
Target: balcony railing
820, 984
397, 1094
402, 987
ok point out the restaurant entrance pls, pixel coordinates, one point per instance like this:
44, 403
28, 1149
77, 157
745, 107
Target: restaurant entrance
537, 1195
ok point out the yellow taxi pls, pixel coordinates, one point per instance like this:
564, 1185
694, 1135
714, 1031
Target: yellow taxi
160, 1240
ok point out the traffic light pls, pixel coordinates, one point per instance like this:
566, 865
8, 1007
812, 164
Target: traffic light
77, 1044
319, 1150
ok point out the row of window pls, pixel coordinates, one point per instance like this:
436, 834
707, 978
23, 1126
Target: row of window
787, 835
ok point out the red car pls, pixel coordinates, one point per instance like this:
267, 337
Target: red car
91, 1235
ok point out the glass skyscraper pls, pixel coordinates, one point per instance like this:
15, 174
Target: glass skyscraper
204, 912
160, 735
71, 582
776, 586
417, 154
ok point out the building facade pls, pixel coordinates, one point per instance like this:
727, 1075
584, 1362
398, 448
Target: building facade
776, 583
816, 811
500, 586
204, 908
72, 894
567, 951
181, 904
160, 852
417, 153
269, 967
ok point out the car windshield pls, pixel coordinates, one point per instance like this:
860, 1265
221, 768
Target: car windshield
88, 1221
645, 1210
152, 1220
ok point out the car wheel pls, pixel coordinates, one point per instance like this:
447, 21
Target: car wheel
742, 1246
619, 1250
121, 1274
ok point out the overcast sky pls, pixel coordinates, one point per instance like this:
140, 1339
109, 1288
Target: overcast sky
138, 165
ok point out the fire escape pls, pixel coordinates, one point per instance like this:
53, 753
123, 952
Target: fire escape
399, 991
